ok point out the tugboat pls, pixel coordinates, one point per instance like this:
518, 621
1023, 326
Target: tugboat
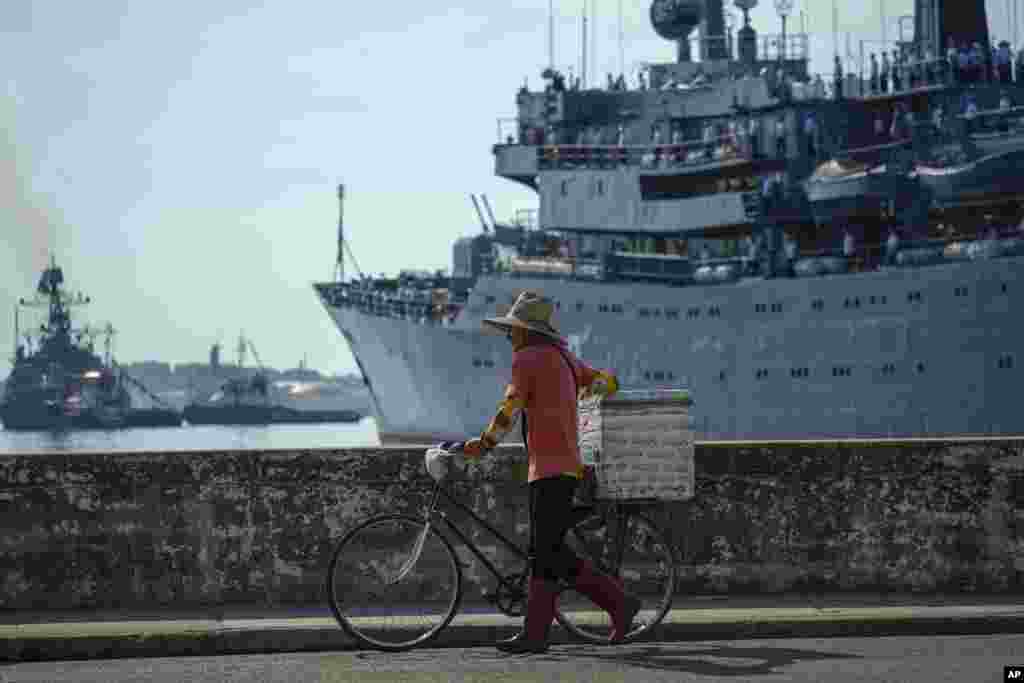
253, 401
60, 382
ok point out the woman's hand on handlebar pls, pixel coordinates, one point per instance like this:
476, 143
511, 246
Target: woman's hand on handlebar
473, 448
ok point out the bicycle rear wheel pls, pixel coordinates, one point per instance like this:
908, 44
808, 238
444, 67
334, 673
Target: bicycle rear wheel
385, 596
637, 554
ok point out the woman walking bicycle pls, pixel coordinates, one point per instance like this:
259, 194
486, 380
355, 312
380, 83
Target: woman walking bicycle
546, 379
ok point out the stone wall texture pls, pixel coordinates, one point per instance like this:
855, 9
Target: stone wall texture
209, 528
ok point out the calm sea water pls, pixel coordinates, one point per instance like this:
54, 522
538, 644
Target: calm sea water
340, 435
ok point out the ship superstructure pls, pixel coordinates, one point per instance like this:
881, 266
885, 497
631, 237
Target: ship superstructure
810, 260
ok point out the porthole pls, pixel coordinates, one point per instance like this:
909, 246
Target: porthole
477, 363
565, 188
920, 367
579, 306
600, 187
1003, 288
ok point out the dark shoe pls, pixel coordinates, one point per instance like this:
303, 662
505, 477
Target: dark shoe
540, 611
608, 594
522, 646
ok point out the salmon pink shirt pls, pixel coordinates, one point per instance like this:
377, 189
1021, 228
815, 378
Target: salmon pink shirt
542, 380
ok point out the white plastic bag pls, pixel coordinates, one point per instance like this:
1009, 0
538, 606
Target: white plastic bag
441, 462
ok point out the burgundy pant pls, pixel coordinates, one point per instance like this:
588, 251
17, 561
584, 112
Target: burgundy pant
551, 515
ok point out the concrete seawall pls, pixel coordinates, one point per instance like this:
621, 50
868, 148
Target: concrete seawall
207, 528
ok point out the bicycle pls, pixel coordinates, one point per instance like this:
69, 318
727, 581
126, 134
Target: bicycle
400, 570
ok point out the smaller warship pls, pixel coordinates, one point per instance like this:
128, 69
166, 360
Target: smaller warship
58, 381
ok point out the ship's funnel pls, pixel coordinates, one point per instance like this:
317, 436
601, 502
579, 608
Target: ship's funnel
938, 22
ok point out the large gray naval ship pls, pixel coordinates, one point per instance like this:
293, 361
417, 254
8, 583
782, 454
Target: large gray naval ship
811, 260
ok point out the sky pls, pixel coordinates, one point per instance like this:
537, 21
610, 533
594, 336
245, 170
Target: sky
181, 159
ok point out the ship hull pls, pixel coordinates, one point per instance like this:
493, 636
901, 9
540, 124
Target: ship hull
897, 353
263, 415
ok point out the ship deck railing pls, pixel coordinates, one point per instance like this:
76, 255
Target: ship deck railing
693, 153
686, 270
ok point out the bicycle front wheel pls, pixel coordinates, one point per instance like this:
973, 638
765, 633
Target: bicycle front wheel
628, 547
394, 583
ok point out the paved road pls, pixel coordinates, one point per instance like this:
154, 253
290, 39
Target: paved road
963, 659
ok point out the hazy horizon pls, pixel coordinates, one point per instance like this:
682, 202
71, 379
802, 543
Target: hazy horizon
182, 161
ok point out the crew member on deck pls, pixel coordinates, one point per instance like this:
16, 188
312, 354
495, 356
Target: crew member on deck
1004, 62
892, 247
897, 71
837, 78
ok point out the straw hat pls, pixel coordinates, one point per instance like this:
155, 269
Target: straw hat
531, 311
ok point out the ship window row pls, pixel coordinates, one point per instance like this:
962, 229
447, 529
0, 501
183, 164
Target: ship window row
659, 375
715, 311
1005, 362
477, 363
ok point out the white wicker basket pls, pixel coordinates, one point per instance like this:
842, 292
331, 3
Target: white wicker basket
639, 443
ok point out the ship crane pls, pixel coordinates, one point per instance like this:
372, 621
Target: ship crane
260, 382
255, 355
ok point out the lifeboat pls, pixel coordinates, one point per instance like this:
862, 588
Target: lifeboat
841, 189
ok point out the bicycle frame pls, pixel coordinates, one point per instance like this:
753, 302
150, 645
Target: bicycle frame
432, 512
615, 508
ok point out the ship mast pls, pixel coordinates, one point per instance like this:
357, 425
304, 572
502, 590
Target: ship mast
339, 266
17, 334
